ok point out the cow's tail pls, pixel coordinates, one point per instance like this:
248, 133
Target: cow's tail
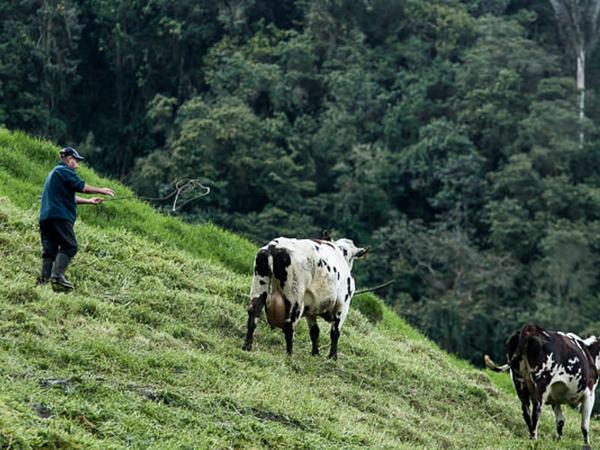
263, 263
493, 366
263, 271
279, 260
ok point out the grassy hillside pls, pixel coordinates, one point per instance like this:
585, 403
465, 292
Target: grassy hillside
146, 352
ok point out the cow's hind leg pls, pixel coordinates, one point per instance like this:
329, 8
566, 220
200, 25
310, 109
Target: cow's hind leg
258, 293
338, 318
256, 305
292, 314
586, 411
335, 335
288, 332
523, 394
560, 420
536, 412
538, 400
527, 416
288, 327
285, 277
314, 334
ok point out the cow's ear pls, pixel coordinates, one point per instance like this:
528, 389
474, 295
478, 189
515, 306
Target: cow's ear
361, 252
325, 235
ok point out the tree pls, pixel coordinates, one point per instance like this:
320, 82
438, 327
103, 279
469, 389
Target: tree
578, 20
39, 43
59, 32
360, 201
442, 173
495, 84
446, 286
565, 275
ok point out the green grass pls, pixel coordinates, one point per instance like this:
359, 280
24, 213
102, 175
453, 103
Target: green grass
26, 163
146, 352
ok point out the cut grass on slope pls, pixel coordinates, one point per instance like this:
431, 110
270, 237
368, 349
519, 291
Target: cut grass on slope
146, 353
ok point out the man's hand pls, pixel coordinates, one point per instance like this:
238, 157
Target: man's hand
106, 191
88, 201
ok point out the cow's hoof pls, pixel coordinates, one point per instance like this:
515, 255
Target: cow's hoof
586, 447
334, 357
247, 347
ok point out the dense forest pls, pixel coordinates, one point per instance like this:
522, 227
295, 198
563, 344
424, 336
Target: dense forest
456, 138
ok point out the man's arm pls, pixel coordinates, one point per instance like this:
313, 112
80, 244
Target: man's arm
87, 189
88, 201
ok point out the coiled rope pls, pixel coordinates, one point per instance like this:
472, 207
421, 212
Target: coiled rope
182, 186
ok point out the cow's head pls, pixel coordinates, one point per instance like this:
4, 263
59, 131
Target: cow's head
350, 251
593, 345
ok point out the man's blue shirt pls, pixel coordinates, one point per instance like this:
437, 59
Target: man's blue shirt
58, 197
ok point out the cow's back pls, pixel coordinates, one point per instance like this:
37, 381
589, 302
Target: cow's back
562, 362
309, 272
332, 280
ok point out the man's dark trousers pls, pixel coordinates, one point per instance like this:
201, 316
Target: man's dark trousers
58, 236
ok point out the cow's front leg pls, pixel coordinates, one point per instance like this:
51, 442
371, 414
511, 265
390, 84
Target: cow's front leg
560, 420
586, 411
256, 305
335, 335
314, 334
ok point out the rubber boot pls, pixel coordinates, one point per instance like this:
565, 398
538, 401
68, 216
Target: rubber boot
58, 279
46, 270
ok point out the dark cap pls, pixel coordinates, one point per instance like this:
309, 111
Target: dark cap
69, 151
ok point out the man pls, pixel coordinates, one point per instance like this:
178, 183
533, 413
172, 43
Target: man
57, 217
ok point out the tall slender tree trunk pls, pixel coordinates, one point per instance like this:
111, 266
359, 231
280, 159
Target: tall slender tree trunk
120, 95
581, 90
181, 75
45, 41
119, 78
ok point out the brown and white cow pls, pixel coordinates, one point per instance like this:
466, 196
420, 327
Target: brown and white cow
555, 368
303, 277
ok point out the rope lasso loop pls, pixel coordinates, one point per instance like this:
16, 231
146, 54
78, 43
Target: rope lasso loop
181, 186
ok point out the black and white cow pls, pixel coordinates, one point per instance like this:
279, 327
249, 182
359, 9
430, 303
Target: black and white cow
303, 277
555, 368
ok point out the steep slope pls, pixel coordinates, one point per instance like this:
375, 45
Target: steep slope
146, 353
